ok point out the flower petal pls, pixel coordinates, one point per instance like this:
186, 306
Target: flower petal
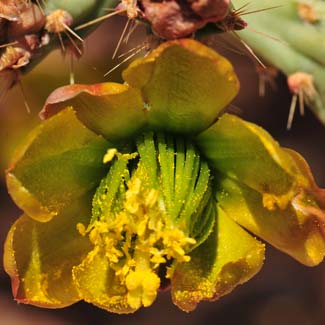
59, 162
245, 152
113, 110
184, 84
270, 190
292, 230
229, 257
97, 284
39, 256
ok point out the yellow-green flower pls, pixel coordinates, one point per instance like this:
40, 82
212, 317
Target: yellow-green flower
127, 187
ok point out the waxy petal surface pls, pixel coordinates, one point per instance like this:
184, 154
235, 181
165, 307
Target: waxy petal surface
229, 257
59, 161
184, 84
97, 284
247, 153
266, 188
39, 256
293, 230
113, 110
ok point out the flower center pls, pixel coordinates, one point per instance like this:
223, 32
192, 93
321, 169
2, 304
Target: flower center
153, 207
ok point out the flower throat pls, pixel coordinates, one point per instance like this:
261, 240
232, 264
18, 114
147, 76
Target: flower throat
153, 207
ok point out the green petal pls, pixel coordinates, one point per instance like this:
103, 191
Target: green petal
113, 110
184, 84
39, 257
59, 162
245, 152
98, 284
292, 230
229, 257
273, 194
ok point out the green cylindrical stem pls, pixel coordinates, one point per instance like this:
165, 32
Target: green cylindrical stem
287, 40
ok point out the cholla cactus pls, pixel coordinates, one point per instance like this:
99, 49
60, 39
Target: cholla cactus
130, 188
291, 38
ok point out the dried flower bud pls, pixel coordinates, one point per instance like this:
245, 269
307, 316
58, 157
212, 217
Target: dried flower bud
174, 19
14, 58
211, 8
11, 9
31, 21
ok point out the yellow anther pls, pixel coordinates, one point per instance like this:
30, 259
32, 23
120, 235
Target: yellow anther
109, 155
142, 288
81, 229
273, 202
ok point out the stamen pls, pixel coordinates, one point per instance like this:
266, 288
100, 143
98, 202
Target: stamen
142, 216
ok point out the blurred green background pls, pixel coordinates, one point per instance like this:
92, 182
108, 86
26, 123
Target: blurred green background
284, 292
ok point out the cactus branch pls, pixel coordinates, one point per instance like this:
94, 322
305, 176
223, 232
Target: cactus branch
300, 28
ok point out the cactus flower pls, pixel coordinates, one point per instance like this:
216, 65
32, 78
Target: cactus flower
131, 188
